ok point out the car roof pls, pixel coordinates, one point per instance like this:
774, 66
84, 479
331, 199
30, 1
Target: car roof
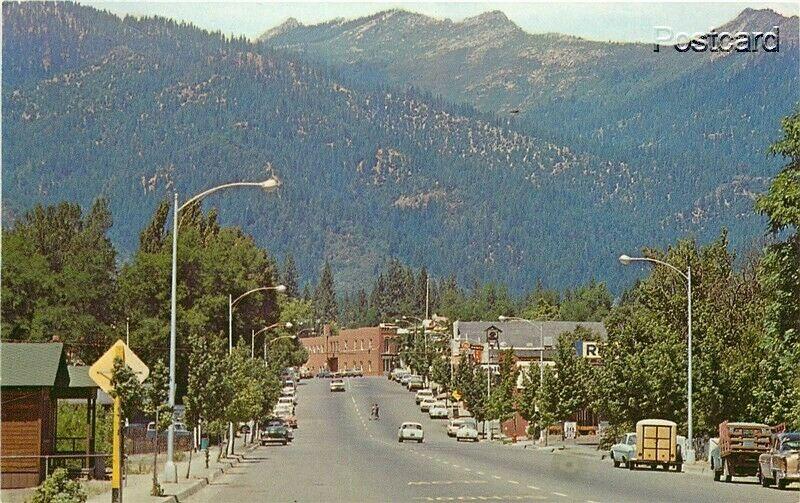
410, 424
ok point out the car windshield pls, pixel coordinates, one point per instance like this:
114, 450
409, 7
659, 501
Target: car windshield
631, 440
791, 445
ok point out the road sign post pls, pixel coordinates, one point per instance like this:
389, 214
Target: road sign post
101, 373
116, 444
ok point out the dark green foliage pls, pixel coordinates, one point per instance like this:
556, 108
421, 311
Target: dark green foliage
325, 307
502, 401
778, 391
59, 278
289, 276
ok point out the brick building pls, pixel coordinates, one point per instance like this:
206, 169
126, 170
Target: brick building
373, 350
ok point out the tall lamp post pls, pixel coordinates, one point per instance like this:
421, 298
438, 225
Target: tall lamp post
170, 470
626, 260
231, 304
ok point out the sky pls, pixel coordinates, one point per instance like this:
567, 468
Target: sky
623, 21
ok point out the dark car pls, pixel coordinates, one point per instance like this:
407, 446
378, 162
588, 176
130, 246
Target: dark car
324, 374
275, 430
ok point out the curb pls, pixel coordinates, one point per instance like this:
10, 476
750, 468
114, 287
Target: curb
200, 483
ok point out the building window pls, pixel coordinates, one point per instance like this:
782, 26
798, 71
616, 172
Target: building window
361, 344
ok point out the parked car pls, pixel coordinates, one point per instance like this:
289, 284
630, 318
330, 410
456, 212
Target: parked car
624, 451
657, 445
410, 431
404, 378
324, 374
288, 391
337, 385
425, 404
415, 383
423, 393
275, 430
781, 465
738, 449
467, 431
397, 373
180, 430
454, 425
356, 372
287, 402
438, 410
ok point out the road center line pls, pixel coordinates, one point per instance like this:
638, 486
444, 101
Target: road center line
559, 494
534, 488
513, 482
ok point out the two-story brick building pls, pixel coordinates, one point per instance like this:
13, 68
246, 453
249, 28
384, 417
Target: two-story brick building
373, 350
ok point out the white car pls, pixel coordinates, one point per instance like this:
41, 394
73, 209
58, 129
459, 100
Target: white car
287, 401
438, 410
624, 451
467, 431
423, 393
337, 385
425, 403
454, 425
289, 392
410, 431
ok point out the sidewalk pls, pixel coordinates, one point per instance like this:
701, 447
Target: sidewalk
136, 488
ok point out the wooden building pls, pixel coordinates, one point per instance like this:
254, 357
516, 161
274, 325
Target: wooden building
33, 377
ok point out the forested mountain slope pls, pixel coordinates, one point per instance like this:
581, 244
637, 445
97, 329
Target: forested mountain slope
133, 109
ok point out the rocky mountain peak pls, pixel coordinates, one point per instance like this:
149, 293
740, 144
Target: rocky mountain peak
285, 27
762, 20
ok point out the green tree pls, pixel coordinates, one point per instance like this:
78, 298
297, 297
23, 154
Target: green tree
289, 276
325, 305
502, 401
778, 391
526, 403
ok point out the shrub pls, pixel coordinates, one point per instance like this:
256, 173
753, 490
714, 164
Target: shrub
58, 488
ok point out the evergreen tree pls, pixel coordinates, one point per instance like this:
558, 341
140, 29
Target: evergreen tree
325, 306
289, 276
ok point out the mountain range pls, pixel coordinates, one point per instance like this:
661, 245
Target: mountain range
393, 137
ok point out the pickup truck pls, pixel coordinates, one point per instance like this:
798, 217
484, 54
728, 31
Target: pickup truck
739, 447
781, 466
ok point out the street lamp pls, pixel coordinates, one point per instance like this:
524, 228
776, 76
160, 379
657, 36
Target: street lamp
231, 303
626, 260
170, 470
288, 324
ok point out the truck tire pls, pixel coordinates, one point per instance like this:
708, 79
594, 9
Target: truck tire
716, 475
764, 481
726, 470
781, 482
679, 467
631, 465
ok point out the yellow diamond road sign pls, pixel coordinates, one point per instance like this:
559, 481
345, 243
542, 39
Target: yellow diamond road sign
456, 395
100, 371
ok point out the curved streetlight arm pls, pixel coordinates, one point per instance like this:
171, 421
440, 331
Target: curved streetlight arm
661, 262
279, 288
282, 337
274, 325
267, 184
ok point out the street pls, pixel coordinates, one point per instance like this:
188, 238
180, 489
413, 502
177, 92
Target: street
339, 454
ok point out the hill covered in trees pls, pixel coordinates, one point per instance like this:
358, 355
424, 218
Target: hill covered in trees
132, 109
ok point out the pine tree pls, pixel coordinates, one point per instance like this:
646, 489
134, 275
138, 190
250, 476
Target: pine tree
289, 276
325, 305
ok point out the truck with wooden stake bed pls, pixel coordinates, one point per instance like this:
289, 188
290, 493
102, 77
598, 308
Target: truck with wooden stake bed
736, 452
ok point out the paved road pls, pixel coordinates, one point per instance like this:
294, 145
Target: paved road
340, 455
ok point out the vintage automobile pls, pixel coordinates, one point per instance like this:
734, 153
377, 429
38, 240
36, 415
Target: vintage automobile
415, 383
468, 430
781, 466
624, 451
337, 385
275, 430
438, 410
657, 445
423, 393
736, 452
410, 431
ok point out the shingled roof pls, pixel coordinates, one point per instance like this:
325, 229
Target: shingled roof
33, 364
522, 334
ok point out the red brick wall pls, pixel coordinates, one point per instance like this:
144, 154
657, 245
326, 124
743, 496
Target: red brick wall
351, 348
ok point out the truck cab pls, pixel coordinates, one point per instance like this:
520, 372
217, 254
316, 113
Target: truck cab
781, 466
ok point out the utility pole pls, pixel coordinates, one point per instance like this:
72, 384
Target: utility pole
128, 332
